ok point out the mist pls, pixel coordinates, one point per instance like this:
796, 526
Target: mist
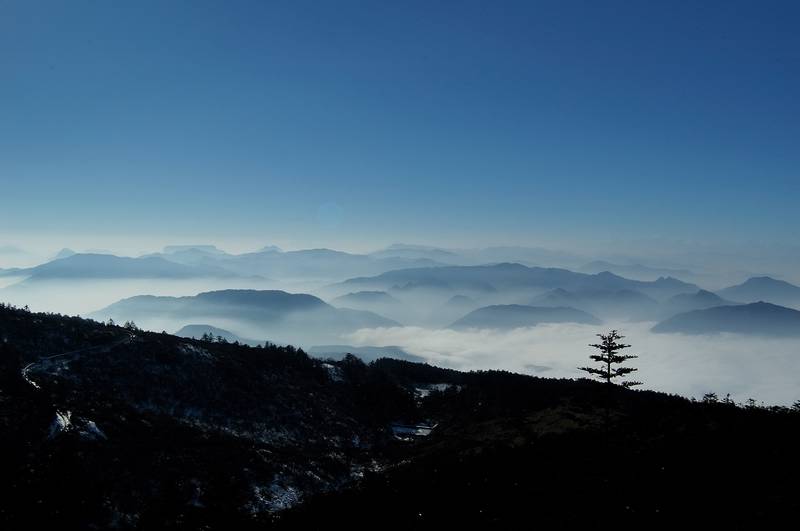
81, 297
744, 366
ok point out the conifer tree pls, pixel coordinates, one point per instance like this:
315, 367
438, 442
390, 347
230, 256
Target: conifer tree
609, 356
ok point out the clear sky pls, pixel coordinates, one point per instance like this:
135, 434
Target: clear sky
358, 123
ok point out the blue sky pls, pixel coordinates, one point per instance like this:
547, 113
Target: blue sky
356, 124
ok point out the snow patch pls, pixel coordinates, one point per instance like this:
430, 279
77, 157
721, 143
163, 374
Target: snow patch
274, 497
25, 376
424, 390
194, 350
407, 432
61, 422
334, 372
92, 431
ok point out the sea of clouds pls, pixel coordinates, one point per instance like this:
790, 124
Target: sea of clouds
746, 367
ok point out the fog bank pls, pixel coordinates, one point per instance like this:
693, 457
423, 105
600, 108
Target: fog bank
762, 368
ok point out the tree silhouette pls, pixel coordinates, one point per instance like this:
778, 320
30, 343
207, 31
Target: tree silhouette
609, 356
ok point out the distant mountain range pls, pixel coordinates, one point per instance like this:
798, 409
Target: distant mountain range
365, 298
759, 318
413, 284
106, 266
635, 271
764, 289
629, 305
509, 316
478, 256
609, 304
686, 302
276, 315
271, 262
510, 277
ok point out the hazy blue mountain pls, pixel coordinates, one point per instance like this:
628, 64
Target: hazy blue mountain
508, 277
608, 304
758, 318
538, 256
368, 354
197, 331
280, 316
635, 271
440, 285
106, 266
310, 264
686, 302
270, 248
197, 255
64, 253
479, 256
416, 252
306, 264
460, 301
251, 304
508, 316
365, 298
379, 302
764, 289
208, 249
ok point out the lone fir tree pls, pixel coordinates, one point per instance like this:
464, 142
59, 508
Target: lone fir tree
609, 356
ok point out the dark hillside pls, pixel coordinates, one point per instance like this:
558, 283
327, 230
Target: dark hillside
111, 427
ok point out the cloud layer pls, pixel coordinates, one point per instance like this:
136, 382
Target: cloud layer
762, 368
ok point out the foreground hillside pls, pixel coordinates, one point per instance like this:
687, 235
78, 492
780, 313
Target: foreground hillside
110, 427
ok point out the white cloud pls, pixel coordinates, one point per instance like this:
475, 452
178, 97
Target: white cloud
762, 368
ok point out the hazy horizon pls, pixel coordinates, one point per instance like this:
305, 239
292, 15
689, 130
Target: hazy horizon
352, 126
659, 135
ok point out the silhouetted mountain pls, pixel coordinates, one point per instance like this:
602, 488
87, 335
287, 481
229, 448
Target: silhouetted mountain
104, 427
758, 318
608, 304
508, 316
514, 278
366, 354
282, 317
764, 289
197, 331
106, 266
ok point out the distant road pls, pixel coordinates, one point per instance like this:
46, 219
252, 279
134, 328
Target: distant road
87, 350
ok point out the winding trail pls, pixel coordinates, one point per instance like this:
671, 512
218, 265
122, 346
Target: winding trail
97, 348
